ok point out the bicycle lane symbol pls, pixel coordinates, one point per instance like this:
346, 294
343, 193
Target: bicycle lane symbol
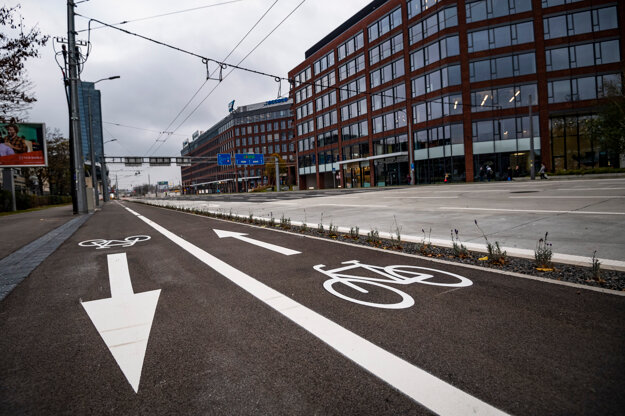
382, 276
101, 243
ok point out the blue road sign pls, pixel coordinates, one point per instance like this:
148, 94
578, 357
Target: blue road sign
249, 159
223, 159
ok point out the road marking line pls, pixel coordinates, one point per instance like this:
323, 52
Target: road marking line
533, 211
348, 205
420, 197
426, 389
568, 197
588, 189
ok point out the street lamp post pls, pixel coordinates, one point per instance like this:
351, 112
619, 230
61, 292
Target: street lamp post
410, 146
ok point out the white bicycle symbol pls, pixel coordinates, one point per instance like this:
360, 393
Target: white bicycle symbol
398, 274
126, 242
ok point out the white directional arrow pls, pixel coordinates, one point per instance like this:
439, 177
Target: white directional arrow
124, 320
268, 246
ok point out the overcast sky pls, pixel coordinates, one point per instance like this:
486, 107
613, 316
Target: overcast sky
157, 82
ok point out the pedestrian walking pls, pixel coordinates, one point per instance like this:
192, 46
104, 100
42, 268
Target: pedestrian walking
509, 173
482, 173
489, 173
542, 173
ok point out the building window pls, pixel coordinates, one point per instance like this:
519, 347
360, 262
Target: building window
417, 6
393, 144
326, 120
327, 138
351, 46
501, 36
433, 24
551, 3
583, 55
394, 95
306, 144
305, 127
352, 67
386, 49
353, 88
576, 23
304, 110
504, 97
303, 94
434, 52
385, 24
437, 108
502, 67
354, 131
325, 81
387, 73
488, 9
503, 129
325, 101
389, 121
433, 81
584, 88
324, 63
354, 109
302, 77
438, 136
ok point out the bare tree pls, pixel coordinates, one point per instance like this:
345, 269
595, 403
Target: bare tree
17, 44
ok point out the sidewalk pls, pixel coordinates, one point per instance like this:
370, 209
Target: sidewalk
27, 239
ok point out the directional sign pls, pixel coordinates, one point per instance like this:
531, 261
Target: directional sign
224, 159
249, 159
268, 246
124, 320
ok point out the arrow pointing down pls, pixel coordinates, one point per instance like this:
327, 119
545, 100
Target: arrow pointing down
124, 320
268, 246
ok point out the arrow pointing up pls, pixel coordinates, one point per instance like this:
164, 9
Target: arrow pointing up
124, 320
268, 246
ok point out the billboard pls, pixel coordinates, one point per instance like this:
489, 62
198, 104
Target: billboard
23, 145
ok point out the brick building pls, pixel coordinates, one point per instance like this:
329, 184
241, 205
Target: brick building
262, 128
467, 74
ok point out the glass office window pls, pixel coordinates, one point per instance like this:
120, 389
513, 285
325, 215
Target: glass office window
385, 24
586, 88
488, 9
433, 24
576, 23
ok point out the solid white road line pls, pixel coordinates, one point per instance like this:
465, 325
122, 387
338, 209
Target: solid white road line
568, 197
426, 389
533, 211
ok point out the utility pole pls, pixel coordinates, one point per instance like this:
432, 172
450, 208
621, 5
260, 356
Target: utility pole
532, 155
149, 184
78, 168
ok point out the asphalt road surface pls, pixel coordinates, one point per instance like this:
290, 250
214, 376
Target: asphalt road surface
581, 215
186, 322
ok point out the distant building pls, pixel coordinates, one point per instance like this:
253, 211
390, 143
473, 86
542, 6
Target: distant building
452, 81
88, 95
263, 128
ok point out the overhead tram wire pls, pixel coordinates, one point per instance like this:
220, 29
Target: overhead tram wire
204, 83
138, 128
239, 63
163, 15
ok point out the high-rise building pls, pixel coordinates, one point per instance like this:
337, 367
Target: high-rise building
262, 128
460, 84
89, 108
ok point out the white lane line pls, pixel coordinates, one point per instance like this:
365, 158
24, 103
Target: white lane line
533, 211
420, 197
568, 197
351, 205
426, 389
588, 189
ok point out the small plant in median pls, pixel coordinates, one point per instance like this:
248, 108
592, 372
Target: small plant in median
543, 253
320, 228
460, 250
373, 237
333, 230
397, 232
596, 268
354, 232
426, 243
495, 254
285, 223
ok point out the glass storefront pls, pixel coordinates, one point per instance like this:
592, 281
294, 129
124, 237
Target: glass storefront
574, 147
391, 171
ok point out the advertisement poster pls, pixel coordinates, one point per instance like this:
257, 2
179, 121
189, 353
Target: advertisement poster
22, 145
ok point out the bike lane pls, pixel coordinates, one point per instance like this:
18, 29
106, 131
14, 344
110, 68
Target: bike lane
212, 348
523, 346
